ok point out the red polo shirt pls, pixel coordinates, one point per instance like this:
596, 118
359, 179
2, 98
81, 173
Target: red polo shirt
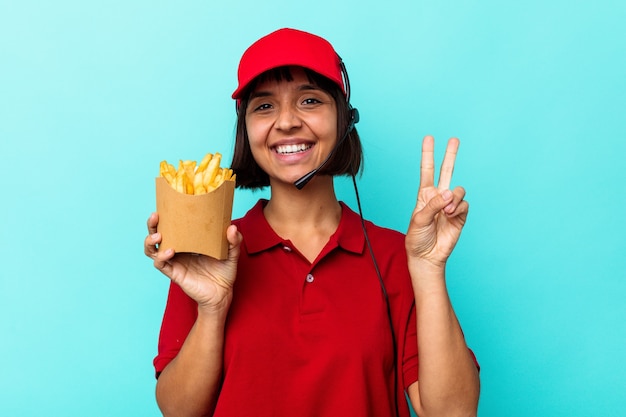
309, 339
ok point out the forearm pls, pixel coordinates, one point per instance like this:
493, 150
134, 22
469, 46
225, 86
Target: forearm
189, 385
448, 378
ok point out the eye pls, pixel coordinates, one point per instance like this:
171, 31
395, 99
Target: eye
261, 107
311, 100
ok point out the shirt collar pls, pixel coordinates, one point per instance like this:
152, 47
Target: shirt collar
259, 236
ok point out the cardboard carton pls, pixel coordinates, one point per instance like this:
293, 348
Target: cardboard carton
195, 223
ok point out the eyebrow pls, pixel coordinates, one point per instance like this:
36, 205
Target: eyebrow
303, 87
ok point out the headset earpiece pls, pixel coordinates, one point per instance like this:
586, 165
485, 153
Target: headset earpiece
354, 118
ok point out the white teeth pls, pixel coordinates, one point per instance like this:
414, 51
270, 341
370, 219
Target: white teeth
289, 149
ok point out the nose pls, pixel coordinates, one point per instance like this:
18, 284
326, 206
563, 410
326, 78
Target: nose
287, 118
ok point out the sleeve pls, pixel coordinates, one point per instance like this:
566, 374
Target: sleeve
410, 357
179, 317
391, 254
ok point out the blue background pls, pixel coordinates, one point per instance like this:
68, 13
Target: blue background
93, 95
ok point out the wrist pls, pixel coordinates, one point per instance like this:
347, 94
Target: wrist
427, 277
427, 267
217, 309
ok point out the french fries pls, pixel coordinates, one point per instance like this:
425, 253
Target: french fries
195, 179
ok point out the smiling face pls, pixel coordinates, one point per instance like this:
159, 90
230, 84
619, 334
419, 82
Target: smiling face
291, 126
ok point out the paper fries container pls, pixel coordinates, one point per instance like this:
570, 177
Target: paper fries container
195, 223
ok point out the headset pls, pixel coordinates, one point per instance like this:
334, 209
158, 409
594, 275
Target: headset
302, 181
354, 119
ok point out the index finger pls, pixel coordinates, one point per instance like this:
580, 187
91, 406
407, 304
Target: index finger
447, 166
427, 169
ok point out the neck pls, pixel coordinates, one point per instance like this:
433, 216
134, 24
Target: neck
315, 207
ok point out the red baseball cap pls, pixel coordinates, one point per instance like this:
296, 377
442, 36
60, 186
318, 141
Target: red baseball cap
288, 47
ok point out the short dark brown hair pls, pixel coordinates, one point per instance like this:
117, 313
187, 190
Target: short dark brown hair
347, 159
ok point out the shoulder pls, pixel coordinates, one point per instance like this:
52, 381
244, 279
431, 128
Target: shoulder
252, 216
386, 243
384, 235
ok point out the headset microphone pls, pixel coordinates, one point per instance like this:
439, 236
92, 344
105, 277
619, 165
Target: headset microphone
302, 181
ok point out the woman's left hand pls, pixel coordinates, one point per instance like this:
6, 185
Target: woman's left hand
439, 214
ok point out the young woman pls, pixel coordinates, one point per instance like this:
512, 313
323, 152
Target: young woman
315, 312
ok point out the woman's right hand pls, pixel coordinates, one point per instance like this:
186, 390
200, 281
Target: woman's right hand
206, 280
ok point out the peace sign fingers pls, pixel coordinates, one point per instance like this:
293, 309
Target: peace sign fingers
440, 213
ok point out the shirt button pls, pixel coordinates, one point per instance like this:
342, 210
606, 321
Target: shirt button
309, 278
286, 248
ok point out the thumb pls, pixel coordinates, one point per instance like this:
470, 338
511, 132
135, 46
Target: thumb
234, 238
435, 205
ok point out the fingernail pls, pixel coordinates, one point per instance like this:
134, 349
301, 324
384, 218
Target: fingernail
446, 194
154, 236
